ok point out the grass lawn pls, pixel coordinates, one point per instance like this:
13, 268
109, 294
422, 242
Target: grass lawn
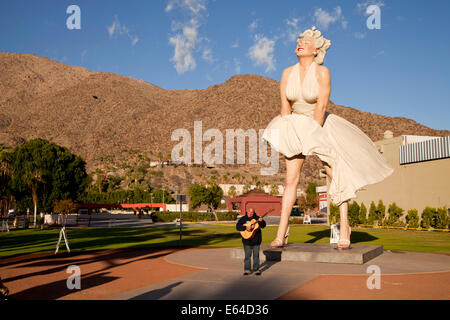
86, 239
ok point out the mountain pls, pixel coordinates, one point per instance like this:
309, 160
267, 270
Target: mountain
97, 114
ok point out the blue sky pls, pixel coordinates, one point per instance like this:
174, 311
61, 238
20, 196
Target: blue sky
401, 69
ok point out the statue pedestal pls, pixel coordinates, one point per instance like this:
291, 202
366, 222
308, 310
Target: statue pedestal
315, 252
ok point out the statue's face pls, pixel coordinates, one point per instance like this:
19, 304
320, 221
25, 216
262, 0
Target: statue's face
305, 47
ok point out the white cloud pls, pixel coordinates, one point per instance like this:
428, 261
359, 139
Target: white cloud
237, 65
186, 40
207, 55
118, 28
252, 27
359, 35
194, 6
379, 53
235, 44
262, 52
324, 19
293, 30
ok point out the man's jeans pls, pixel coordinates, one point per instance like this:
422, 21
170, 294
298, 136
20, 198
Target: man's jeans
248, 252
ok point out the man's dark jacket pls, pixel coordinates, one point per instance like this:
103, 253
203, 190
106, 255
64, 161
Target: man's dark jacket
240, 227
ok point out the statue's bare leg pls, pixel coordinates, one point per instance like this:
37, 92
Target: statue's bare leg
343, 210
293, 169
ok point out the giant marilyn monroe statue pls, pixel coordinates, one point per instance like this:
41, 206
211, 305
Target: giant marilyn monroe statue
304, 127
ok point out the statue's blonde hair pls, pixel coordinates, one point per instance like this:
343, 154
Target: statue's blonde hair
319, 41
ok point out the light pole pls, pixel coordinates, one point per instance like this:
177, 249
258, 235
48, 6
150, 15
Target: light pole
181, 198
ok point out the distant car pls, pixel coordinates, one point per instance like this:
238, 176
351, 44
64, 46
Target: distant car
295, 212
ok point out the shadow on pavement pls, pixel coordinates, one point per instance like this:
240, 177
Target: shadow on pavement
158, 293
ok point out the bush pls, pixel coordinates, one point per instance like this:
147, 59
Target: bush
441, 218
296, 220
380, 212
395, 213
372, 214
335, 214
169, 216
362, 214
428, 217
412, 219
353, 214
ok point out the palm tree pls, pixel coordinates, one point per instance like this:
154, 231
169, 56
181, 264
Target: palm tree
274, 190
232, 191
160, 156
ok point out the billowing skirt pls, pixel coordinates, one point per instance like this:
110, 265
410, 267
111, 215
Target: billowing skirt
353, 157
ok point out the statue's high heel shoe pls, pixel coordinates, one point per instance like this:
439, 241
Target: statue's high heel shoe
278, 243
286, 236
346, 244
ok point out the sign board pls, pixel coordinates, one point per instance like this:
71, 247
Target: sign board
181, 197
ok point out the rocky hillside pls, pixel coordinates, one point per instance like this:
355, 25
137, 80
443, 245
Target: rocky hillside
97, 115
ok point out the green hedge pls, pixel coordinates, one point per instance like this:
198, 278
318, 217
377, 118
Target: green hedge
436, 218
169, 216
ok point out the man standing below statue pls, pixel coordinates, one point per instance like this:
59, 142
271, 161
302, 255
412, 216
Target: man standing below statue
251, 245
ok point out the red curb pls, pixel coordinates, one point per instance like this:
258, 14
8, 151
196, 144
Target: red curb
103, 273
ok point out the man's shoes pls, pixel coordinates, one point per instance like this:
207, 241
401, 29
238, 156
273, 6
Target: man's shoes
258, 272
246, 272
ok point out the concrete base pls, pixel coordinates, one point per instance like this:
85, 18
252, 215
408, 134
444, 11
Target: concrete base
315, 252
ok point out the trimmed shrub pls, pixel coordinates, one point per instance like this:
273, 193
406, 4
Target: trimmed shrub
428, 217
441, 218
353, 213
395, 213
169, 216
380, 212
372, 214
296, 220
412, 219
335, 214
362, 214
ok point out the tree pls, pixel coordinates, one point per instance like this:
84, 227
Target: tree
312, 202
225, 178
160, 156
247, 188
335, 214
48, 171
237, 177
232, 191
162, 196
211, 196
412, 219
380, 212
353, 213
395, 213
362, 214
64, 207
274, 190
6, 197
372, 214
311, 189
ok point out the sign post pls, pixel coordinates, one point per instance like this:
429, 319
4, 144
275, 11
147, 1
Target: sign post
181, 198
